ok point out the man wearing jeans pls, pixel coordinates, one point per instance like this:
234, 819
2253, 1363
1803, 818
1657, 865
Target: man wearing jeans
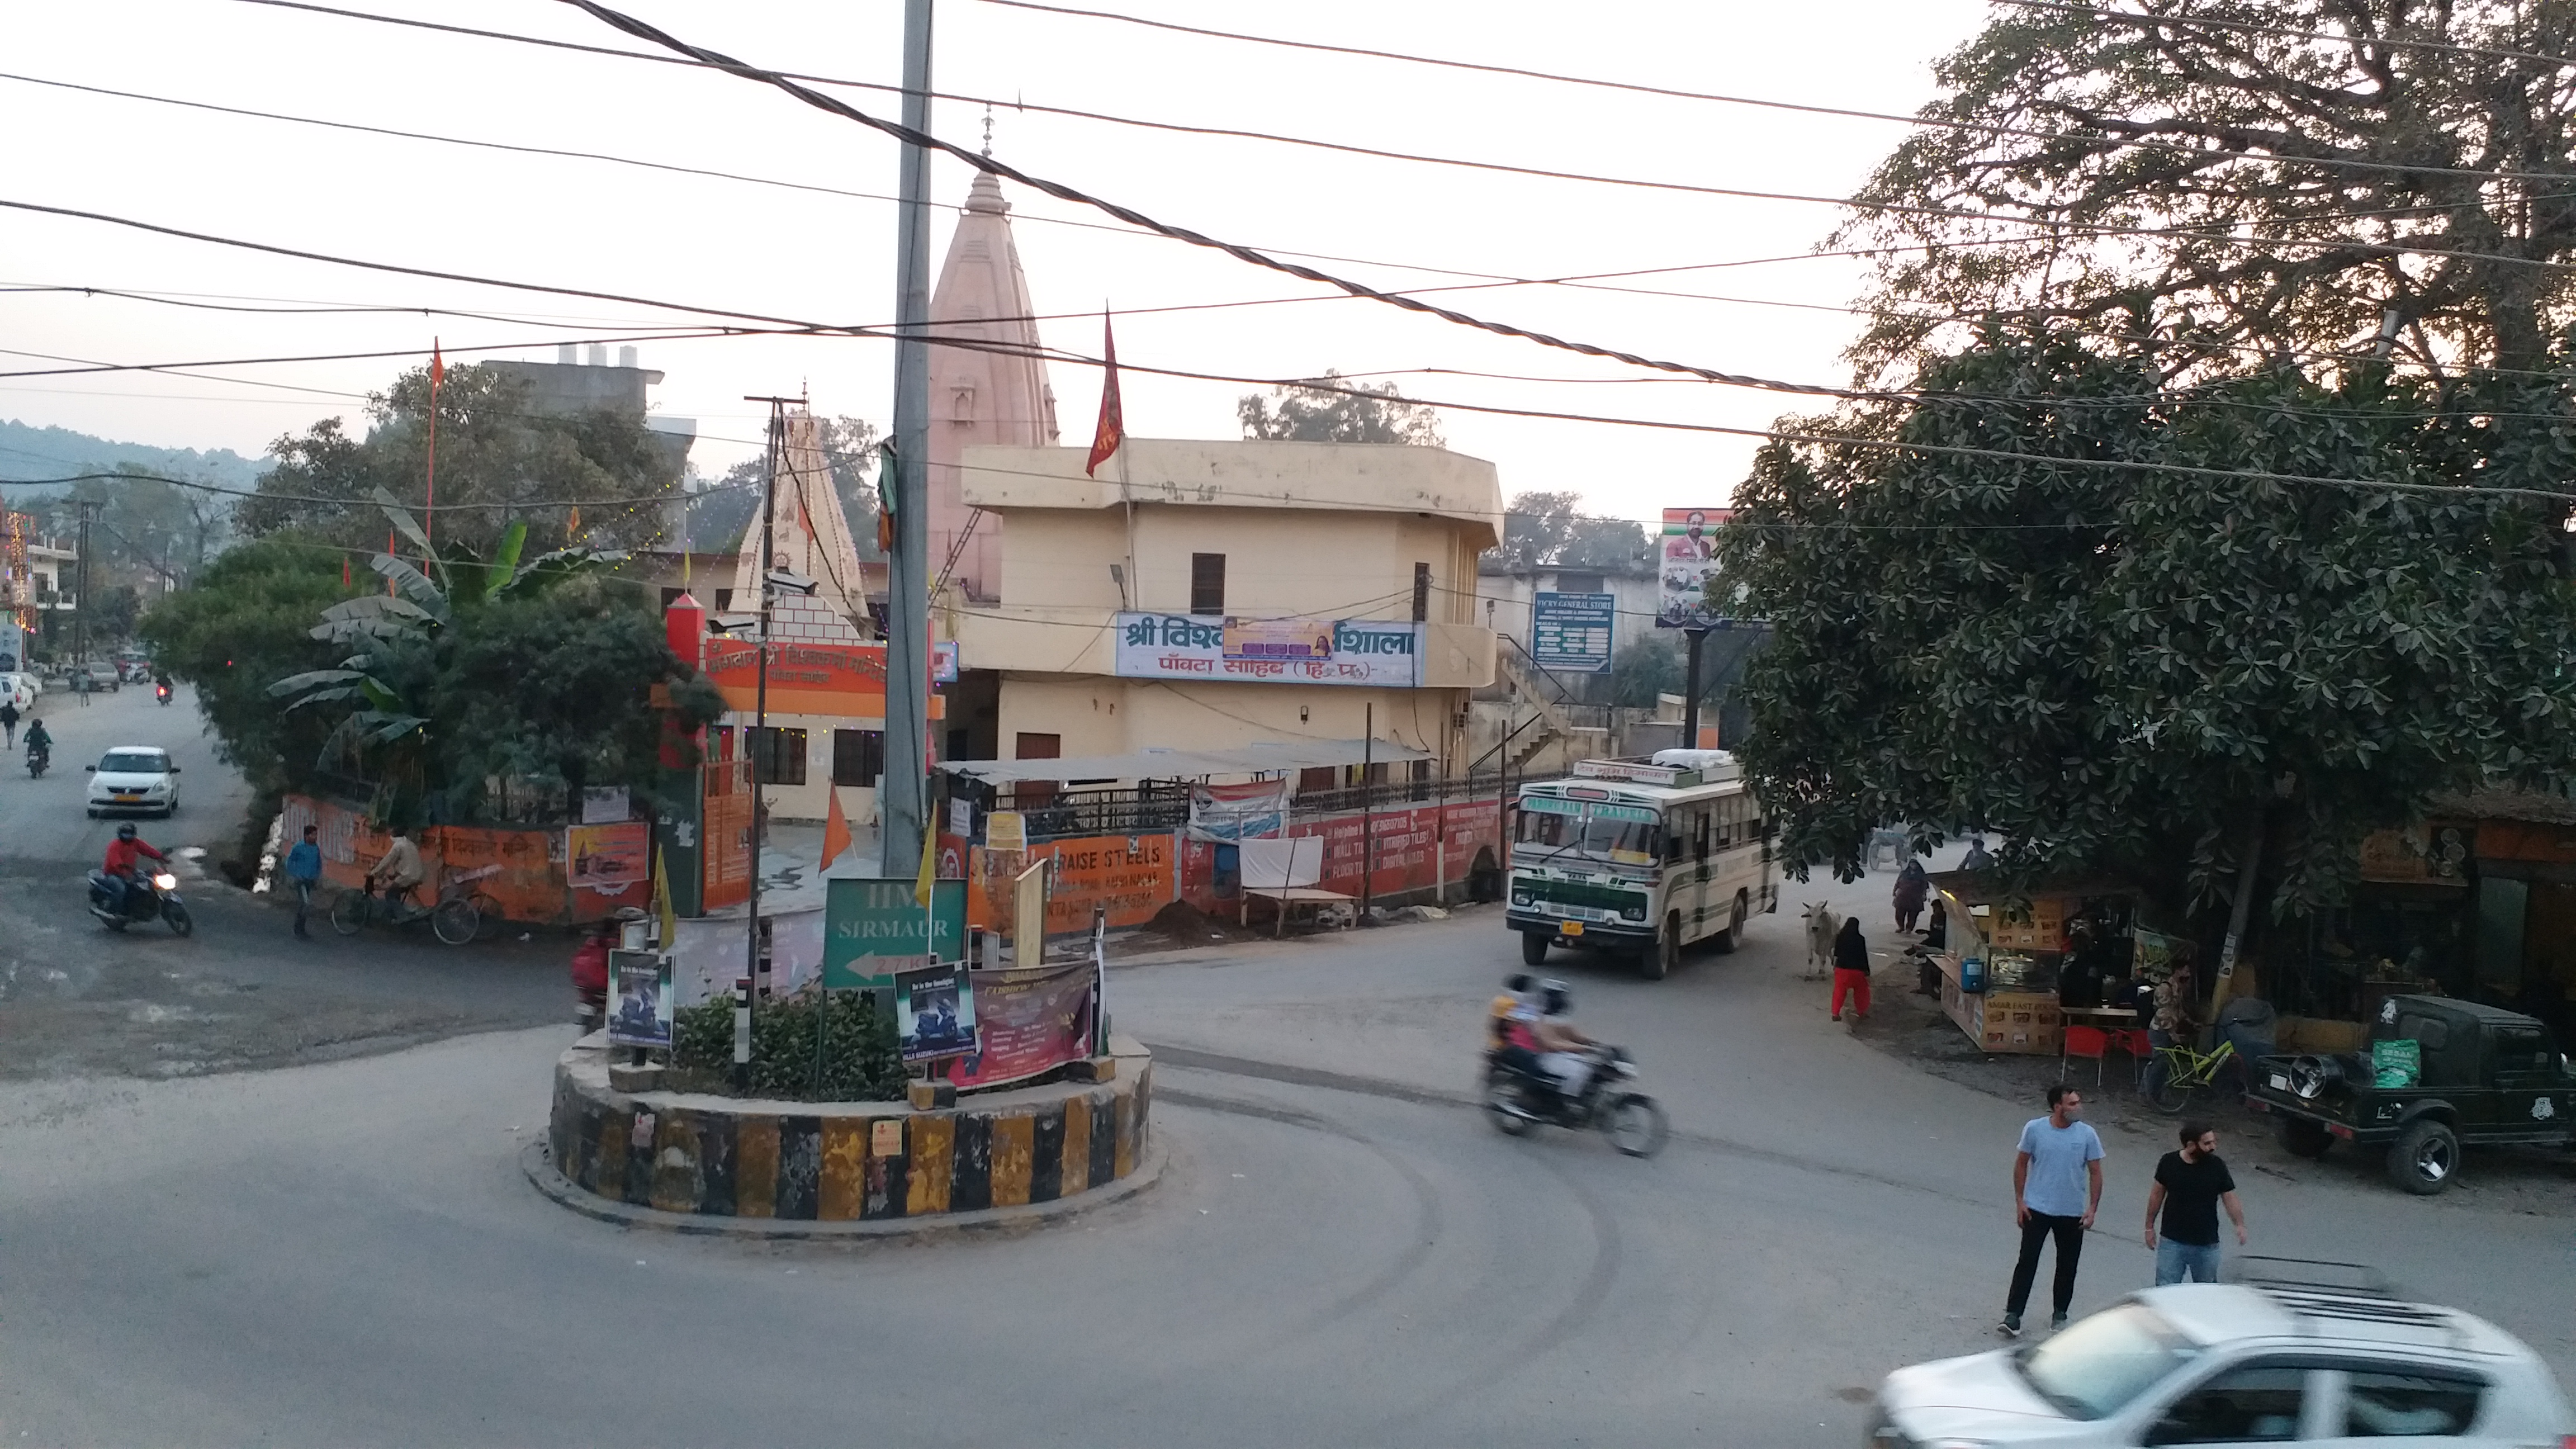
303, 869
2057, 1187
2190, 1186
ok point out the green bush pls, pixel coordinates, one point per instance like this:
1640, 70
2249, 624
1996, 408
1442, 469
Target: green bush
857, 1063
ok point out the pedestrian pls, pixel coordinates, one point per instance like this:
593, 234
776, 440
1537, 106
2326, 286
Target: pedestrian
1912, 887
304, 869
2191, 1185
80, 686
2057, 1187
1978, 857
1851, 970
9, 722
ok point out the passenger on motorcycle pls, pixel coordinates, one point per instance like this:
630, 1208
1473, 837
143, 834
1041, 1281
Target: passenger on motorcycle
1564, 1054
123, 865
1511, 1028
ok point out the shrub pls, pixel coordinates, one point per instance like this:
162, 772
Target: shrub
857, 1062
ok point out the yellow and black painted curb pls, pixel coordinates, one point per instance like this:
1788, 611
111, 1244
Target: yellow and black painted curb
781, 1169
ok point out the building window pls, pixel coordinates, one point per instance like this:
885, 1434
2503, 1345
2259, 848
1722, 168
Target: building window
1207, 584
1421, 592
1028, 794
858, 756
778, 755
724, 601
671, 595
1316, 778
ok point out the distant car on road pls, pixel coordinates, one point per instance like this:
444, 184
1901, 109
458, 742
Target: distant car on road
102, 675
2214, 1363
137, 778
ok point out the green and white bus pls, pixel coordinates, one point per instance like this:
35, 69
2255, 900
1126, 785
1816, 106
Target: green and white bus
1641, 858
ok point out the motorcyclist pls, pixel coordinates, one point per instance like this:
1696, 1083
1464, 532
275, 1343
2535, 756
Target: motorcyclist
123, 866
590, 972
40, 741
399, 868
1564, 1054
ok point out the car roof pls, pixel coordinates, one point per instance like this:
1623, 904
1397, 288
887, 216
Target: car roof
137, 750
2454, 1006
2212, 1314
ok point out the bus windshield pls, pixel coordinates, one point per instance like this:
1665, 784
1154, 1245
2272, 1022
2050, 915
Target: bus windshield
1598, 835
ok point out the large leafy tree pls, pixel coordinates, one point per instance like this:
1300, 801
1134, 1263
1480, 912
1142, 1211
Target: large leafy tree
500, 462
2229, 179
1550, 529
242, 622
2137, 669
1334, 409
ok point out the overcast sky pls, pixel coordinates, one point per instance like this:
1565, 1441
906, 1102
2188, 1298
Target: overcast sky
806, 254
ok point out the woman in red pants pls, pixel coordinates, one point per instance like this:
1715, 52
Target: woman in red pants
1851, 970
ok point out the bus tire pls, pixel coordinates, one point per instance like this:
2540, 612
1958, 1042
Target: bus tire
1533, 949
1658, 960
1733, 936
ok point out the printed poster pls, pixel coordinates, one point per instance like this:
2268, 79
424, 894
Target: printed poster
641, 984
1238, 812
1687, 560
608, 858
1028, 1023
934, 1012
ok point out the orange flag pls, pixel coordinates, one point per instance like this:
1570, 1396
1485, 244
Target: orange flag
836, 833
1111, 434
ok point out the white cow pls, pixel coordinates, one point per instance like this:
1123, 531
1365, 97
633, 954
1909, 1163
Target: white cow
1822, 926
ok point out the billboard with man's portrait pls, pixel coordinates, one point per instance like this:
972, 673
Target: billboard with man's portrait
1686, 559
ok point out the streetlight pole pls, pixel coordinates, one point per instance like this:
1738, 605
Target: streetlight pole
903, 788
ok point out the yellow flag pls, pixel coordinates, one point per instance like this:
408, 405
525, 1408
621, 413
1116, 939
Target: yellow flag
662, 900
929, 862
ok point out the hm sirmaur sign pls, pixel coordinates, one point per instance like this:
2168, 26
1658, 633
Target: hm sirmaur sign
875, 928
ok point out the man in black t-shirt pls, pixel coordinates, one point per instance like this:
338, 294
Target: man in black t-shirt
2190, 1187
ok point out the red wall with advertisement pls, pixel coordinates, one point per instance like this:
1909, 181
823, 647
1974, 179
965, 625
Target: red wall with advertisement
532, 884
1408, 854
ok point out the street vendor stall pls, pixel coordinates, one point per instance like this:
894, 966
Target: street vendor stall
2019, 968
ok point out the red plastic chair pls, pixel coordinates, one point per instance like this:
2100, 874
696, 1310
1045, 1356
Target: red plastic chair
2085, 1041
2140, 1048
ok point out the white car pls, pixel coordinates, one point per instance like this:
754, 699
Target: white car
20, 690
2216, 1363
134, 777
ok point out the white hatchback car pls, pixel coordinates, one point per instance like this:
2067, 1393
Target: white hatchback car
134, 777
2220, 1364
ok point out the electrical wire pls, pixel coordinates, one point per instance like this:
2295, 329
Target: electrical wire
1928, 122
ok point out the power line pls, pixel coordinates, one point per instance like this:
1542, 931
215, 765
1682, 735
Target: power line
790, 80
1669, 92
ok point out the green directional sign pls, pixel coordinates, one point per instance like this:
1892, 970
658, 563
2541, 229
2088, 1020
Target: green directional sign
875, 928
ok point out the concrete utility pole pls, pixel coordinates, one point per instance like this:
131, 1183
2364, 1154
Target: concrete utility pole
902, 790
1695, 639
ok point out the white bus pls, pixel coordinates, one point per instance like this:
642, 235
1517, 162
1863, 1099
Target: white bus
1641, 858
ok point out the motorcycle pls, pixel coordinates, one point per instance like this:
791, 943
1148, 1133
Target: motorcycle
161, 692
154, 895
37, 760
1516, 1101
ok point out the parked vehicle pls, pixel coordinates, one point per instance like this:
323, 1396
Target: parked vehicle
2223, 1363
2440, 1074
137, 778
1641, 858
20, 689
103, 675
1516, 1101
155, 896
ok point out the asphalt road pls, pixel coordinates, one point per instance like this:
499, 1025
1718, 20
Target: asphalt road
240, 992
1339, 1252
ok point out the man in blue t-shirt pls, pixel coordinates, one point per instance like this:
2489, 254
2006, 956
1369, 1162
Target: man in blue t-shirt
2057, 1187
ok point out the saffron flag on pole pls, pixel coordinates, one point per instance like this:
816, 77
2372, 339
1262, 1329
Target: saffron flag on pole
929, 860
662, 900
836, 833
1111, 434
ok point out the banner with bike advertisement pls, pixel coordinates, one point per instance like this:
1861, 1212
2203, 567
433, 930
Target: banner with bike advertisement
639, 987
934, 1012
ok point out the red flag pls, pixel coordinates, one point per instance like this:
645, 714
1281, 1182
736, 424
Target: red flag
1111, 435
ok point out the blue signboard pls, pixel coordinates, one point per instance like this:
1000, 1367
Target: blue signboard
1572, 632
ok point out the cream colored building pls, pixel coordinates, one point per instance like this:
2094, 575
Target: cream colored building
1129, 601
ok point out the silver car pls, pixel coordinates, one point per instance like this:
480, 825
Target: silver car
2214, 1363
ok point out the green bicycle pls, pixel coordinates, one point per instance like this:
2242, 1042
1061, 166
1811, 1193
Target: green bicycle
2177, 1071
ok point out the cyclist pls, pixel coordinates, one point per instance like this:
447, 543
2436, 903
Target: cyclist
400, 870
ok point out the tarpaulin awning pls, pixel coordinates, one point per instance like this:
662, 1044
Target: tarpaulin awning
1265, 758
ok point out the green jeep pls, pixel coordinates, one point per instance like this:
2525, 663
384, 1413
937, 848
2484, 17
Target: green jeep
2439, 1074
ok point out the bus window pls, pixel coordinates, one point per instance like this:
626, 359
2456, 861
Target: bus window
1699, 834
1539, 828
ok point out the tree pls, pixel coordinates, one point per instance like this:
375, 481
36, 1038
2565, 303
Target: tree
499, 461
1334, 410
144, 528
2237, 178
2132, 670
482, 683
1547, 530
242, 622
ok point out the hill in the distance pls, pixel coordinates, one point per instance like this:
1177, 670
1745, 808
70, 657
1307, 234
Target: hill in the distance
31, 452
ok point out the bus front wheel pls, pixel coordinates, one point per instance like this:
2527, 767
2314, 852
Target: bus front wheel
1533, 949
1658, 960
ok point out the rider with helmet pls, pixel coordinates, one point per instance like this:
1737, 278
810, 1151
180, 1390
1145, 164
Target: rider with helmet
123, 866
1564, 1054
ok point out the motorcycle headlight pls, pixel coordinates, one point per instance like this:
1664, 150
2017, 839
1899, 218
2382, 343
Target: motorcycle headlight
165, 882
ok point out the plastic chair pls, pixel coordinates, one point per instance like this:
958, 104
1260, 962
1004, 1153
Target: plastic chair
2140, 1047
2085, 1041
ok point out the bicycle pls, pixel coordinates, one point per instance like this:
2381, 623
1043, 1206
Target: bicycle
2176, 1071
454, 919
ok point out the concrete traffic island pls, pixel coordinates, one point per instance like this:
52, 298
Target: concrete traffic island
696, 1162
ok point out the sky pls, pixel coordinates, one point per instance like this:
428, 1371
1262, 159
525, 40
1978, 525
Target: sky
819, 255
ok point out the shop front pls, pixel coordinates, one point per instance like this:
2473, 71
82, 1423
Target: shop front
2018, 969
